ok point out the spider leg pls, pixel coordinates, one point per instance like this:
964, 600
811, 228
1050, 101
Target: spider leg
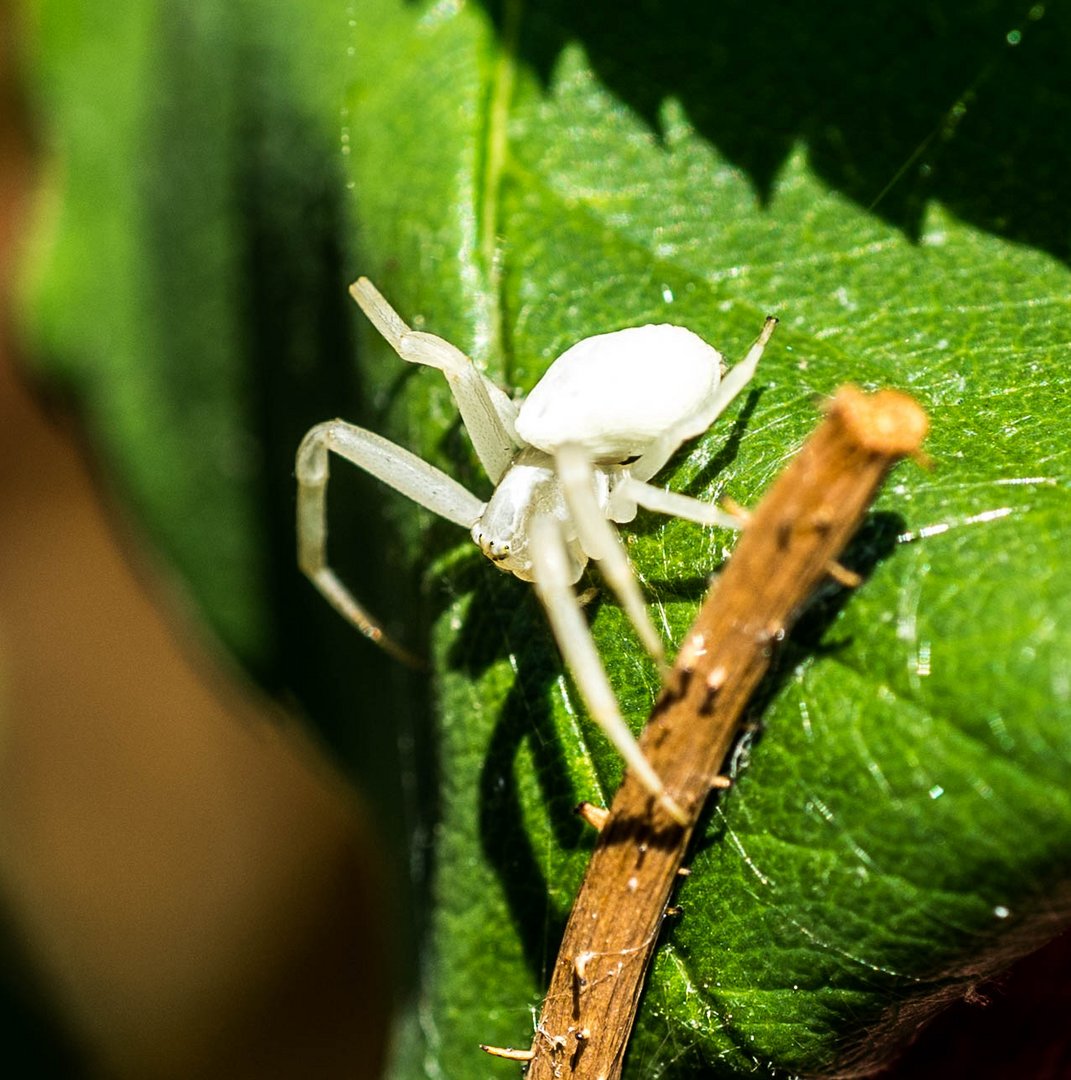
401, 470
741, 374
729, 515
600, 541
487, 412
671, 503
735, 380
552, 581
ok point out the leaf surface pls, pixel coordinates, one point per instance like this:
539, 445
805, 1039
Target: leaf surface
515, 181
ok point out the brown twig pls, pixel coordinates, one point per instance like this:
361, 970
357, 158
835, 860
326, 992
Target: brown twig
791, 542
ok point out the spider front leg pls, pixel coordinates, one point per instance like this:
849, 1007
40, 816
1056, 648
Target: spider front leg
488, 414
599, 539
629, 493
551, 566
398, 468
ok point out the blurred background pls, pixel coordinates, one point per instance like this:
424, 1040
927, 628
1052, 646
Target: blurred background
186, 887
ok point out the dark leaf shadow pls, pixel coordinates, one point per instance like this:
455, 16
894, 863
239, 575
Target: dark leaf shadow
521, 632
899, 102
368, 711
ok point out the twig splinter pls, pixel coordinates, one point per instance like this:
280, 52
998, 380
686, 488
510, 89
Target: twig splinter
595, 816
507, 1052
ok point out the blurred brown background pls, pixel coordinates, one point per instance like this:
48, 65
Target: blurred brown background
185, 889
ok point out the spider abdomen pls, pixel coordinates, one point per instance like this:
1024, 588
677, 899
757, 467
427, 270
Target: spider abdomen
616, 394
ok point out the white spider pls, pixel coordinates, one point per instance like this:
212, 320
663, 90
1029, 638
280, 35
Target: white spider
568, 460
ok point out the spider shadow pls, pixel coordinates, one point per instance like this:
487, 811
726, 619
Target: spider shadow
509, 623
873, 544
730, 448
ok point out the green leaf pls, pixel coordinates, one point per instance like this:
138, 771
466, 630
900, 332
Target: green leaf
888, 180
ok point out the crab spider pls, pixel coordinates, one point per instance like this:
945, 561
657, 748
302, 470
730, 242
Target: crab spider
569, 460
